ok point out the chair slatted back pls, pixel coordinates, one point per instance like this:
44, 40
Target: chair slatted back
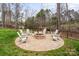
27, 31
56, 32
44, 31
21, 31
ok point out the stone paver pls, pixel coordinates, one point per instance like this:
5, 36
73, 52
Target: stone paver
41, 44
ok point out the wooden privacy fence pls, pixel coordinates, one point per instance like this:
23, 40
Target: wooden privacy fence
70, 34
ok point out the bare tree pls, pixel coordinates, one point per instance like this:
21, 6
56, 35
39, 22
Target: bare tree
8, 15
17, 14
67, 14
10, 12
58, 15
3, 5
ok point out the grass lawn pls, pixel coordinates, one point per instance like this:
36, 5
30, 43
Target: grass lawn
8, 47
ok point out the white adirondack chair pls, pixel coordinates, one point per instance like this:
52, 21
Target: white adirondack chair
56, 32
55, 35
21, 31
44, 31
27, 31
55, 38
22, 38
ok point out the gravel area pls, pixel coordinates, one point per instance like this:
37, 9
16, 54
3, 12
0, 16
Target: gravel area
45, 44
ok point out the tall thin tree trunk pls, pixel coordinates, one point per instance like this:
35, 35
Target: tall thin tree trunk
17, 14
67, 14
67, 19
3, 14
58, 15
9, 13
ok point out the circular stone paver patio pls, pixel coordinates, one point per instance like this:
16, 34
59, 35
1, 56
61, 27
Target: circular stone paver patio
46, 44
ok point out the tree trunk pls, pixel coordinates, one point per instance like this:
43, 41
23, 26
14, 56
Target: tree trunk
3, 14
17, 7
58, 15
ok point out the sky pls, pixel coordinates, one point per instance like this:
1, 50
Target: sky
74, 6
52, 6
49, 5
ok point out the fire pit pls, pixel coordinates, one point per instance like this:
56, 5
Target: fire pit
39, 36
